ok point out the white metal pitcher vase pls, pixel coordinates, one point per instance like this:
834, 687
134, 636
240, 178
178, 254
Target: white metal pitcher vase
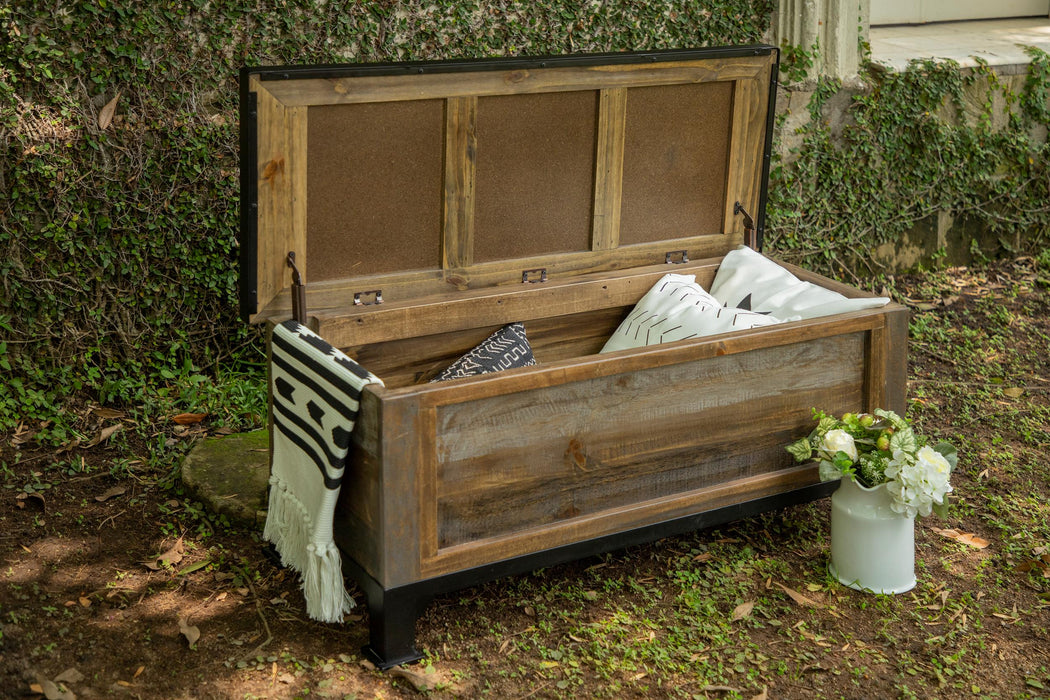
872, 547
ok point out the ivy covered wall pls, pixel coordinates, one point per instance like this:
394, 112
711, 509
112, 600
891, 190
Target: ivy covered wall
935, 163
119, 180
118, 163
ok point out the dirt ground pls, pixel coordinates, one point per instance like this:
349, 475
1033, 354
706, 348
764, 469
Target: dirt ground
114, 584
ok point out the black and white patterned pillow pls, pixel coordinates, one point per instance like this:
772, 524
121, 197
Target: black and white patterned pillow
677, 308
749, 280
506, 348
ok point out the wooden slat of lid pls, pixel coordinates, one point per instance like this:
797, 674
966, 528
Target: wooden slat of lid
386, 88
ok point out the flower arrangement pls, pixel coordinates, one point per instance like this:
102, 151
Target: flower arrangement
881, 448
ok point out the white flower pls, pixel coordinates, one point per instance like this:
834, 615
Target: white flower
916, 483
839, 441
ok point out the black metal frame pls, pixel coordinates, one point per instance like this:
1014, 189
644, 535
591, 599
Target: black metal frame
393, 612
248, 113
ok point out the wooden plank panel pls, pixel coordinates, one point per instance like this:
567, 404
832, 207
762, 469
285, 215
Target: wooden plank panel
895, 356
674, 457
323, 91
744, 178
875, 369
358, 524
461, 117
608, 175
495, 306
536, 457
335, 297
581, 368
410, 361
428, 486
475, 428
281, 195
405, 454
584, 528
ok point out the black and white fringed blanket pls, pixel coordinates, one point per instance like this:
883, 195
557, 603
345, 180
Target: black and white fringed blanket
315, 391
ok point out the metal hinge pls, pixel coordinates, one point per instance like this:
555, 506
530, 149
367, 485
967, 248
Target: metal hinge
676, 257
750, 236
298, 291
527, 275
376, 294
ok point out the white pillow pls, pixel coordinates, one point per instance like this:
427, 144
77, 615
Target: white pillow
677, 308
749, 280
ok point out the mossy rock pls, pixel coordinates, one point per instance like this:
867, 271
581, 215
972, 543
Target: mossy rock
230, 475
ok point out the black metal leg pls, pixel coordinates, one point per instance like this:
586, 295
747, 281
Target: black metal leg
392, 615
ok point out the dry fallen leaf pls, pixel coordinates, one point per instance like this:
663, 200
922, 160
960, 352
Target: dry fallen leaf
70, 675
50, 690
189, 418
798, 597
1014, 392
111, 493
423, 682
107, 413
191, 632
761, 696
967, 538
105, 116
69, 446
103, 435
743, 610
172, 556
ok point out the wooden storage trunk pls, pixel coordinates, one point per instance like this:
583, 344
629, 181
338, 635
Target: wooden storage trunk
429, 204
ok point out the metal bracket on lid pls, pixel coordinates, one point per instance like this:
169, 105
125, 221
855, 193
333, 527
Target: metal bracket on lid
750, 236
527, 275
676, 257
376, 294
298, 291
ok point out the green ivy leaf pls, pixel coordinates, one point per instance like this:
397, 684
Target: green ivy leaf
904, 440
826, 423
801, 450
896, 421
828, 471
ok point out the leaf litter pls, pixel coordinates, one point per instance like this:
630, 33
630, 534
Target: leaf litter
168, 558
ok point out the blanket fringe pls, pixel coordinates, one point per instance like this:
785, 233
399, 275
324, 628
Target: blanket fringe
290, 528
326, 596
288, 525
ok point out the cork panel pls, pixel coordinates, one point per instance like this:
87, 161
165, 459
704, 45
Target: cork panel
535, 174
375, 188
675, 161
